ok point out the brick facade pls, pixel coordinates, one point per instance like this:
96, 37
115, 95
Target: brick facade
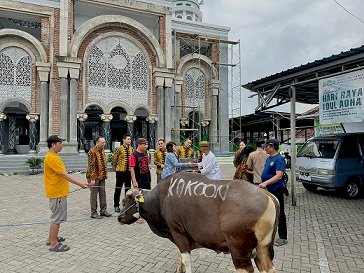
56, 84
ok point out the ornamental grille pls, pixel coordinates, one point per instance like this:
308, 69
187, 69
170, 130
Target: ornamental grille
194, 89
15, 74
117, 70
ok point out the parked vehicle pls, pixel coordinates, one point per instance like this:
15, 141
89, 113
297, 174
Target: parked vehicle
333, 161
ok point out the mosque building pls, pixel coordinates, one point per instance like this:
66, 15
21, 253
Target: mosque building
84, 68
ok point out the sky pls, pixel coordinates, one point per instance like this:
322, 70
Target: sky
276, 35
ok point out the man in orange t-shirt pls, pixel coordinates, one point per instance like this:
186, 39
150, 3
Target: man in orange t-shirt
57, 188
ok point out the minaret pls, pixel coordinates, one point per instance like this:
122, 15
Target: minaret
187, 10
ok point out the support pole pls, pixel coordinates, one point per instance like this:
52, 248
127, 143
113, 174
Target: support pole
293, 144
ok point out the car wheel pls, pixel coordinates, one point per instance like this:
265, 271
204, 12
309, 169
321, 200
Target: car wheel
309, 187
352, 189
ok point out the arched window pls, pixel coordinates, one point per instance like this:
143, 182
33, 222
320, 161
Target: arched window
194, 85
15, 73
117, 69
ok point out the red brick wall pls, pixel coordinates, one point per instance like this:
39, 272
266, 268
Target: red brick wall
45, 34
70, 19
122, 29
55, 111
162, 32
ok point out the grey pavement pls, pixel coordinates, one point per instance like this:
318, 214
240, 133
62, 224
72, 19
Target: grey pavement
325, 233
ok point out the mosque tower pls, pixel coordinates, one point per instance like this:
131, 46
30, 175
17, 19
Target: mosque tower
188, 10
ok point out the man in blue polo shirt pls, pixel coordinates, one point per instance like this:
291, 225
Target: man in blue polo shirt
272, 180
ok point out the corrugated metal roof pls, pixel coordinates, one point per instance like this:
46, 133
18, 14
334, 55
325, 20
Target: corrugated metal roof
326, 60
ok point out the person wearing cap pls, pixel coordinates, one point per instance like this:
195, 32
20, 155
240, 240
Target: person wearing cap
139, 166
256, 161
208, 166
273, 181
97, 174
56, 185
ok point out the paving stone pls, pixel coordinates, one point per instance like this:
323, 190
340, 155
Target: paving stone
322, 219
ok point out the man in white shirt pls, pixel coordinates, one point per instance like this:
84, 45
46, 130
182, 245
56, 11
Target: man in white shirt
208, 166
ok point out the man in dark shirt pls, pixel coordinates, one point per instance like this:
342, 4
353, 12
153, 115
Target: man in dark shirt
139, 165
272, 180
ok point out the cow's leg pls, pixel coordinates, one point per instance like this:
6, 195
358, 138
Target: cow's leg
184, 247
241, 253
263, 260
184, 263
241, 246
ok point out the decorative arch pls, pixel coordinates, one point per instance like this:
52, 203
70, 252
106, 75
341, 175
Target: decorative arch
141, 106
4, 103
119, 103
204, 62
24, 40
97, 103
106, 20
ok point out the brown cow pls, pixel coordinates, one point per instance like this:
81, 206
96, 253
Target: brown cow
193, 211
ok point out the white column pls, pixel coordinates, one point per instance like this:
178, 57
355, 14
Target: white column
73, 111
32, 118
152, 140
43, 73
168, 122
81, 131
2, 118
160, 110
214, 117
106, 118
130, 121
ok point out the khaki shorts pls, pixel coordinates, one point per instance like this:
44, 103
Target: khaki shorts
58, 208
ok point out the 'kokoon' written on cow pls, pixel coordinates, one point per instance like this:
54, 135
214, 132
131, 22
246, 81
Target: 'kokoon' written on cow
183, 188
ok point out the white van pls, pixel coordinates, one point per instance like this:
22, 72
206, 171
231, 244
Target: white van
333, 161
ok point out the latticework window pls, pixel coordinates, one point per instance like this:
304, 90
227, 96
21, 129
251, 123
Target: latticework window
195, 86
117, 70
15, 73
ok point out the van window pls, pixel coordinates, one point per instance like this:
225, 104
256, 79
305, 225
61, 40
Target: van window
349, 148
320, 148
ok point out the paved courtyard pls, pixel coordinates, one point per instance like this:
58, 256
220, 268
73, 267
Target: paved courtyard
325, 231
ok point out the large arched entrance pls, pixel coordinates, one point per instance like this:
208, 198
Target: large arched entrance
16, 133
118, 125
93, 125
141, 128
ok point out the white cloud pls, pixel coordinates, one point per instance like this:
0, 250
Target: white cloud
276, 35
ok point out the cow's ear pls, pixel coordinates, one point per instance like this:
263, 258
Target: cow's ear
129, 193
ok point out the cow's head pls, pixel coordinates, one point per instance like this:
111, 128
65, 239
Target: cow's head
130, 212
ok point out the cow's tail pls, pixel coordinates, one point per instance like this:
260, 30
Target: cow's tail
276, 204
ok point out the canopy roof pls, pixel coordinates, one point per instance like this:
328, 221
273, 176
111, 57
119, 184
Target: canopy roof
305, 78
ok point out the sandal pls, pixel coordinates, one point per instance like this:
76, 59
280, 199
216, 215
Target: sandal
59, 239
60, 248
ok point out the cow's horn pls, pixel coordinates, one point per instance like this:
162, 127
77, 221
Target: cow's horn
129, 193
